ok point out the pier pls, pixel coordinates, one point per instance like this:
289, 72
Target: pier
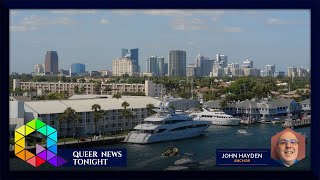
290, 123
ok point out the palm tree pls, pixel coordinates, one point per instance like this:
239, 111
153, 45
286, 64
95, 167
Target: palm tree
223, 103
69, 115
117, 96
150, 108
125, 112
97, 114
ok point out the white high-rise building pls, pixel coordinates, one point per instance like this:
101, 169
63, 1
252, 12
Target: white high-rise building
222, 60
38, 68
247, 64
123, 66
270, 70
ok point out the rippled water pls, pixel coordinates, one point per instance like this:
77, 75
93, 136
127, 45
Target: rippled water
148, 157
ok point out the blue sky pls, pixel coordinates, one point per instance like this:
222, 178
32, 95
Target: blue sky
95, 37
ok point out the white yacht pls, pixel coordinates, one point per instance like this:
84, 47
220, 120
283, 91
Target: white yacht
216, 117
166, 125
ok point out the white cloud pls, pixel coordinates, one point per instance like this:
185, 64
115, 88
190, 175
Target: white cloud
276, 21
38, 21
188, 24
125, 12
34, 22
104, 21
233, 29
13, 13
167, 13
73, 12
22, 28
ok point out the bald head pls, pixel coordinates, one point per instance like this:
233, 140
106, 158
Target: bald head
287, 147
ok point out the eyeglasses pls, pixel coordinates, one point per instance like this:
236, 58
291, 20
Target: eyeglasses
285, 141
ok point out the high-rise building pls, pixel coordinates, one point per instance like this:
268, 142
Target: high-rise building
292, 71
247, 64
51, 62
270, 70
204, 65
133, 54
155, 65
77, 68
222, 60
38, 68
191, 70
123, 66
177, 63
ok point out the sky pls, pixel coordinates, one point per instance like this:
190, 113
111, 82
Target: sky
96, 37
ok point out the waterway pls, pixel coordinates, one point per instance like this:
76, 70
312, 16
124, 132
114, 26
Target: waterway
148, 157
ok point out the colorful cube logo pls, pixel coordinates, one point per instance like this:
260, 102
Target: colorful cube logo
42, 154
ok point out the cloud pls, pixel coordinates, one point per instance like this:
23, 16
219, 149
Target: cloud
124, 12
276, 21
104, 21
188, 24
233, 29
167, 13
34, 22
73, 12
13, 13
22, 28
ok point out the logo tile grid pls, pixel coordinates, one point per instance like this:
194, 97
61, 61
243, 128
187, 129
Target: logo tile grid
42, 154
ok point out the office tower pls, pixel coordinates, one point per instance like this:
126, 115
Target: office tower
204, 65
38, 68
77, 68
177, 63
51, 62
247, 64
166, 68
133, 54
155, 65
222, 60
270, 70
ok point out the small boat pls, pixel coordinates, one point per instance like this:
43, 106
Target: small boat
242, 131
186, 160
172, 151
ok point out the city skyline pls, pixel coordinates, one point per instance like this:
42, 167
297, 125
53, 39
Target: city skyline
96, 37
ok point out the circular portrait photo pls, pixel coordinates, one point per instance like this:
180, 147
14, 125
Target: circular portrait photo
288, 147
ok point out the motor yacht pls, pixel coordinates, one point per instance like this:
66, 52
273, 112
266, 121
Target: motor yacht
166, 125
216, 117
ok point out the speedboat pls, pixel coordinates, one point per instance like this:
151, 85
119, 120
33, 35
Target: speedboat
186, 160
166, 125
216, 117
172, 151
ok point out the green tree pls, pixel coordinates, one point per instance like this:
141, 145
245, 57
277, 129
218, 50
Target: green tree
76, 89
68, 116
150, 108
117, 96
97, 114
126, 114
223, 103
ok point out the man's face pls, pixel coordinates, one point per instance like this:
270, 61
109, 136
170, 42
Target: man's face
287, 147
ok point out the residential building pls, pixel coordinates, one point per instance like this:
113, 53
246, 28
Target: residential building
133, 54
123, 66
270, 70
38, 69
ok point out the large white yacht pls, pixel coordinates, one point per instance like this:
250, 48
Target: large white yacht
216, 117
166, 125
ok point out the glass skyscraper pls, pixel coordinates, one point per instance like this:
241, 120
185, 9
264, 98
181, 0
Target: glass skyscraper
177, 63
51, 62
134, 56
77, 68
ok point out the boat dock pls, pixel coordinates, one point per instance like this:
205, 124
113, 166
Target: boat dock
290, 123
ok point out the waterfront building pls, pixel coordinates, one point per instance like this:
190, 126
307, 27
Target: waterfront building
112, 120
77, 69
305, 106
177, 63
51, 62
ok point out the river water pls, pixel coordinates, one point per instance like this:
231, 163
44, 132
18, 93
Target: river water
148, 157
